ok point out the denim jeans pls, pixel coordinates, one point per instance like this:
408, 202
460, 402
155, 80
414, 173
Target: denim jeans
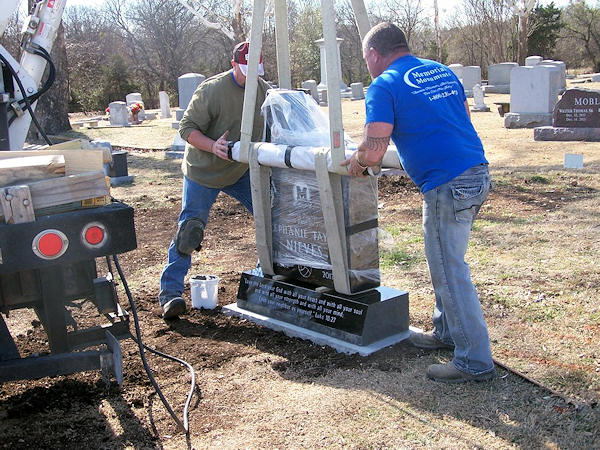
448, 214
196, 202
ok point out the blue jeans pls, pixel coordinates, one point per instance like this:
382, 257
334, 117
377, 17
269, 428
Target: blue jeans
448, 214
196, 202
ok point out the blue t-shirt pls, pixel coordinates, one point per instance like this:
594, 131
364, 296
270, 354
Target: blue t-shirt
434, 136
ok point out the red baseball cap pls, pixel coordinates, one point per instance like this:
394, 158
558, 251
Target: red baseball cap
240, 56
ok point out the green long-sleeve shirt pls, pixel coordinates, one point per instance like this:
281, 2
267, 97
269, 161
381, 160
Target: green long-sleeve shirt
216, 107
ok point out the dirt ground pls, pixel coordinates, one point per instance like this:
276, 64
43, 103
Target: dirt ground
257, 388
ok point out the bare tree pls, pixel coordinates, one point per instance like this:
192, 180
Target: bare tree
481, 33
522, 9
583, 29
436, 22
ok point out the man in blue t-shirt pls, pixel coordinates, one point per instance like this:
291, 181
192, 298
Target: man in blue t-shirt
421, 106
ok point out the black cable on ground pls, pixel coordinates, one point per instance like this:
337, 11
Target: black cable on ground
185, 424
555, 393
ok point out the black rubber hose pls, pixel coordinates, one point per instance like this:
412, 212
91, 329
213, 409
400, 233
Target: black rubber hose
43, 53
185, 424
26, 99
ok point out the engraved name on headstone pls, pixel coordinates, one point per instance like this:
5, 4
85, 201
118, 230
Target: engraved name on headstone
578, 108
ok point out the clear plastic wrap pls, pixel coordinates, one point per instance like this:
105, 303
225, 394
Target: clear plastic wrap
300, 248
295, 118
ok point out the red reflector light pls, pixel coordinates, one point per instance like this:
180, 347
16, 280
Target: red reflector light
50, 244
94, 235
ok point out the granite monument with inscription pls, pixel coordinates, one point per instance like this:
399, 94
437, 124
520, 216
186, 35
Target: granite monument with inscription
299, 298
576, 117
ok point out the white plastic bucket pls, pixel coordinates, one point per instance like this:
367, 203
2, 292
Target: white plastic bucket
204, 289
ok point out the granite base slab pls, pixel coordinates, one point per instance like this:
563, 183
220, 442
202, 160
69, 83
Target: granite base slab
175, 154
121, 181
527, 120
360, 319
318, 338
549, 133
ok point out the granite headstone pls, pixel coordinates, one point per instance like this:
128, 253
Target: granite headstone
579, 108
358, 91
165, 106
311, 85
119, 114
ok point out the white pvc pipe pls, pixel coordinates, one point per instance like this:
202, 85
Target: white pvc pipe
303, 157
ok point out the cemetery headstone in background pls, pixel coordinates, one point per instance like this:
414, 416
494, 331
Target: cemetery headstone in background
499, 77
133, 98
533, 94
562, 68
531, 61
323, 84
457, 69
165, 106
471, 75
576, 117
186, 85
119, 114
358, 91
479, 102
311, 85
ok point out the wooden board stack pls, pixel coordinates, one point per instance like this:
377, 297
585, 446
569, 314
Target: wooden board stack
60, 178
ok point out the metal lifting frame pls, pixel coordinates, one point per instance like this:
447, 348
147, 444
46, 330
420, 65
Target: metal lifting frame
330, 187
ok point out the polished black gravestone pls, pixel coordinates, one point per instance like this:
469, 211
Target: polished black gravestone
578, 108
300, 249
576, 117
361, 323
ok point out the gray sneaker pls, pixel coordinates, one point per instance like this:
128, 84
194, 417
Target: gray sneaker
174, 308
448, 373
428, 341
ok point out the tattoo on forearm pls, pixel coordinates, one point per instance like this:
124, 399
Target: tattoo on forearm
376, 144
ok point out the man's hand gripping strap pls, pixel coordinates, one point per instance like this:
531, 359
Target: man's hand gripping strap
189, 236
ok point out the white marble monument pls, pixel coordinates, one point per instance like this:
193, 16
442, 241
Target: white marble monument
323, 83
457, 69
311, 85
119, 114
165, 106
533, 94
186, 85
478, 98
471, 75
499, 77
531, 61
562, 67
358, 91
133, 98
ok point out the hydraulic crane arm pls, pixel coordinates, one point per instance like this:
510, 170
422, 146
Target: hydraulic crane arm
20, 92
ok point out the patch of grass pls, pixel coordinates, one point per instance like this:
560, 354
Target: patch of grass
539, 179
394, 258
544, 311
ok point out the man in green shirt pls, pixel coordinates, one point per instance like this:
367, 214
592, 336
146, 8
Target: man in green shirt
212, 118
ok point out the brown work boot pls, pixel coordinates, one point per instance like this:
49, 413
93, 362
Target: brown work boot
174, 308
448, 373
428, 341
